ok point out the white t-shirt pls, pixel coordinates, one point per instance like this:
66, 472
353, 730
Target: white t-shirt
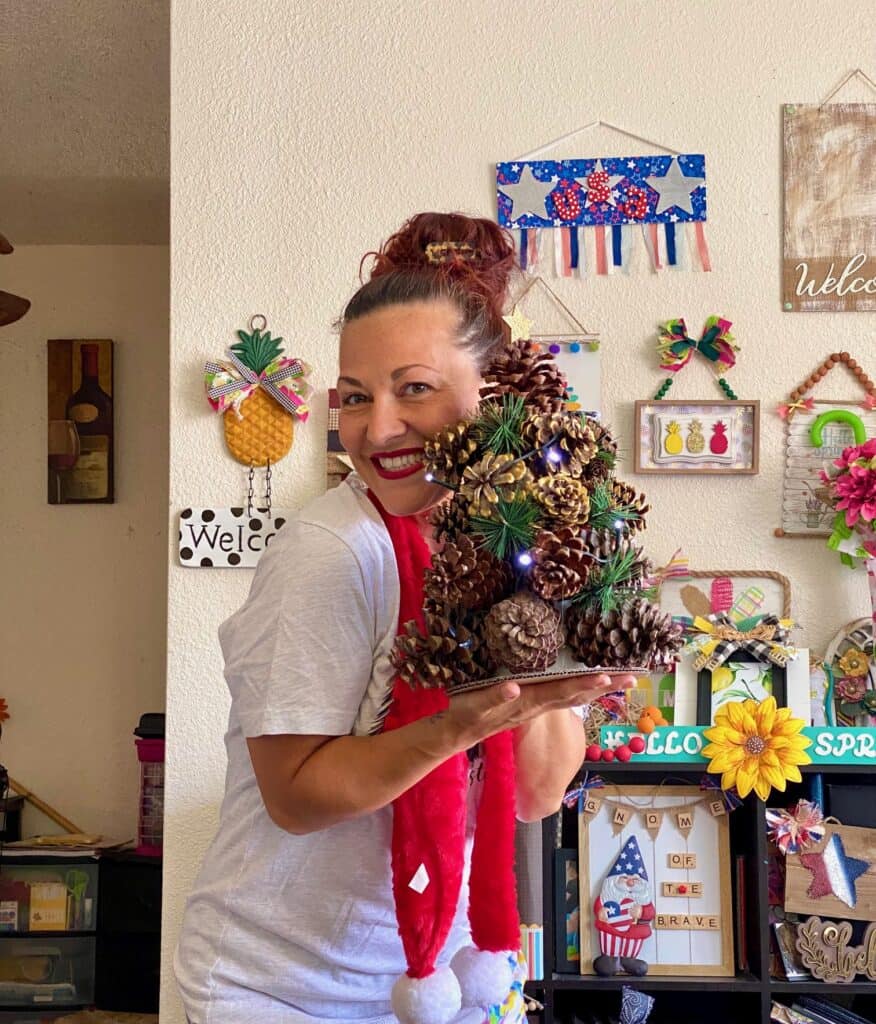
302, 928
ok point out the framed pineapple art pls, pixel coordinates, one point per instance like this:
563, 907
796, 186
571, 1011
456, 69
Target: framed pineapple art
702, 437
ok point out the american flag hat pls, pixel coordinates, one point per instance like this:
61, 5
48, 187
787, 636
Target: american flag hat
629, 861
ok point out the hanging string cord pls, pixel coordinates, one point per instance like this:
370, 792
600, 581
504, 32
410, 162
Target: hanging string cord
598, 123
856, 73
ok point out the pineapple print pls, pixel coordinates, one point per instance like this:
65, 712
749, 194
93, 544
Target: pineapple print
719, 442
673, 442
695, 440
263, 431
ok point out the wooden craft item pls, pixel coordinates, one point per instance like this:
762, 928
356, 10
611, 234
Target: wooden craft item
682, 860
824, 947
688, 889
842, 871
687, 922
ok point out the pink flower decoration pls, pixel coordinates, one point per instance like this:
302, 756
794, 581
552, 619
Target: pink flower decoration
856, 490
851, 688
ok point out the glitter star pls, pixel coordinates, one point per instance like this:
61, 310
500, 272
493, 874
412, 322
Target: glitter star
520, 324
528, 195
674, 189
833, 872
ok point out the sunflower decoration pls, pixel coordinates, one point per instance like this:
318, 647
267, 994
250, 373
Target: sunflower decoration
756, 746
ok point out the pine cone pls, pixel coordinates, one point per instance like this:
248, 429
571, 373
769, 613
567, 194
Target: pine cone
469, 658
637, 635
523, 633
561, 564
573, 441
564, 499
624, 494
602, 545
467, 576
601, 466
422, 659
450, 518
523, 368
449, 452
494, 476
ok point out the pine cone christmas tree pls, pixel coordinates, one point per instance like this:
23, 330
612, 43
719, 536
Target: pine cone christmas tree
574, 442
449, 452
637, 635
523, 633
561, 564
465, 575
522, 368
564, 499
488, 479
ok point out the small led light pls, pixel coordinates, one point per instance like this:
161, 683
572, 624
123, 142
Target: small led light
430, 477
524, 559
554, 455
618, 524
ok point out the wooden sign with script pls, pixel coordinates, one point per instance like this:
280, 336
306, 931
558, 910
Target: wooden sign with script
829, 259
824, 947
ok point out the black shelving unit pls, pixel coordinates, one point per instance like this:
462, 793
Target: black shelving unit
743, 999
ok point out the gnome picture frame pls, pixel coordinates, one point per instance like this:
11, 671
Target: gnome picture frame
688, 873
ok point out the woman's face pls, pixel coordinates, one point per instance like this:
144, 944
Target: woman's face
402, 378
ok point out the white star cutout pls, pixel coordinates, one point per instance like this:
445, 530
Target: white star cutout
674, 189
529, 195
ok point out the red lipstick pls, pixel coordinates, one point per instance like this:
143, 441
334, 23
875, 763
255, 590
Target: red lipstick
396, 474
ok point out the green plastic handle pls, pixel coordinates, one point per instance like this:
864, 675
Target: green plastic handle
838, 416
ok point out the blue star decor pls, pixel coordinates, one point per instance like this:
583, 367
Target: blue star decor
607, 194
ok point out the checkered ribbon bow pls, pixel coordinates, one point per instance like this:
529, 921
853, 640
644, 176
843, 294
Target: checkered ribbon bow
228, 386
717, 639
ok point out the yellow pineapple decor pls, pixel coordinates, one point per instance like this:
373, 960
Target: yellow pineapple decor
673, 442
260, 392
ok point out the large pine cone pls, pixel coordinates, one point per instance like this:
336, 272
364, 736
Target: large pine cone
575, 444
601, 466
465, 575
624, 495
565, 500
603, 545
561, 564
450, 518
448, 656
449, 452
523, 633
637, 635
523, 368
491, 478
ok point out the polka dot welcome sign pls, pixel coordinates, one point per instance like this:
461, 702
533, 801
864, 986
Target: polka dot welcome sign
226, 538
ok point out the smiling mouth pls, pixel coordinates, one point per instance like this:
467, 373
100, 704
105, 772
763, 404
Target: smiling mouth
396, 465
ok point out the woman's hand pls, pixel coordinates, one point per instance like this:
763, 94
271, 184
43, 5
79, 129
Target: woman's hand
475, 715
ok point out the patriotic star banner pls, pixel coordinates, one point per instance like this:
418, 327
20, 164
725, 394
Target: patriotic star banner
605, 215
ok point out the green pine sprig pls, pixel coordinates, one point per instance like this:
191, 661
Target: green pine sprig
605, 513
257, 350
512, 529
499, 426
609, 586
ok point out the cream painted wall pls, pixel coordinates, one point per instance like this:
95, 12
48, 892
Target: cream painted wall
83, 618
302, 134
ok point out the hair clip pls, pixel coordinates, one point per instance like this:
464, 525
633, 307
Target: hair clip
445, 252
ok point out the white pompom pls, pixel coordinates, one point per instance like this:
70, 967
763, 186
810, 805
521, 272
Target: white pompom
432, 1000
484, 978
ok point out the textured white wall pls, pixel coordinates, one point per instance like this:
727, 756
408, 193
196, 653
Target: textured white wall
83, 587
302, 134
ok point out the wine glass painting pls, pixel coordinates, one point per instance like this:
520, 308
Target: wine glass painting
80, 418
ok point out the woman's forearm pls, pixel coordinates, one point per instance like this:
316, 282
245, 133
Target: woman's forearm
549, 751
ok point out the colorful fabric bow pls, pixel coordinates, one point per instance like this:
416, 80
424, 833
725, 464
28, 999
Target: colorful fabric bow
786, 410
230, 383
590, 781
732, 800
677, 568
717, 638
793, 831
716, 344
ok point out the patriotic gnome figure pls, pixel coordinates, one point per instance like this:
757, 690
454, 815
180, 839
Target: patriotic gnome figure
622, 911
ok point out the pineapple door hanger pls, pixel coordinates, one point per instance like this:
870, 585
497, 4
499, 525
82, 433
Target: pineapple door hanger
259, 392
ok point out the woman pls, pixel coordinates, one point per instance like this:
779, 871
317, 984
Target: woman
292, 917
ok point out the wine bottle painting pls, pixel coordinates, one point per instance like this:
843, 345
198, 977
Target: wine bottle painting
80, 422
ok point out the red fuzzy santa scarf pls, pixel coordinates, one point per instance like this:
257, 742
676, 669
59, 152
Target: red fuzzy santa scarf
428, 841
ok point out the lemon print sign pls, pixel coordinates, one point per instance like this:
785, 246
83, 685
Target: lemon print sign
735, 681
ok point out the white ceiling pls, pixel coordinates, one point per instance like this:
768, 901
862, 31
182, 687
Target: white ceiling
84, 107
